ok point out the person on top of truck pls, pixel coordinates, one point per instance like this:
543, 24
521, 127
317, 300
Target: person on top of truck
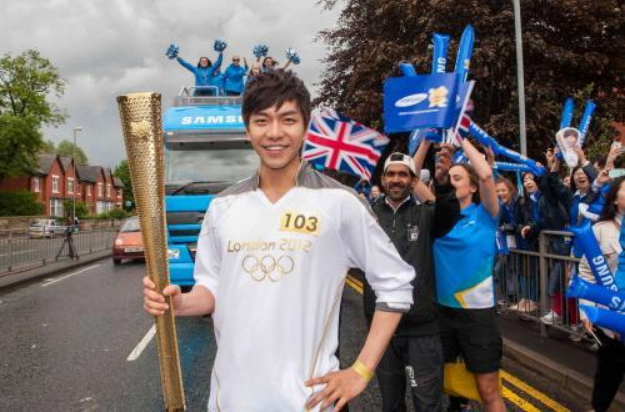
204, 73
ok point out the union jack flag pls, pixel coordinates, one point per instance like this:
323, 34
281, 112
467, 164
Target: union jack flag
339, 143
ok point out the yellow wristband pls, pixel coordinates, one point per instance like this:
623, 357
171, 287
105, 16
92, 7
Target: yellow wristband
362, 370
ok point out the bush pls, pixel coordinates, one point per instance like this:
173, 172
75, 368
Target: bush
113, 214
82, 208
21, 203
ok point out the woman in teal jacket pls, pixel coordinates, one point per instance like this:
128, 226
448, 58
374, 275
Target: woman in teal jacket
204, 73
233, 77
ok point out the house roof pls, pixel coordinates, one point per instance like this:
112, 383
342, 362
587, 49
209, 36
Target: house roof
66, 162
89, 173
46, 161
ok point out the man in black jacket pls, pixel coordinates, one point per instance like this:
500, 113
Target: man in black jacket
415, 351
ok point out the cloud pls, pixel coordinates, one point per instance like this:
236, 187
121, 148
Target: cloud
104, 48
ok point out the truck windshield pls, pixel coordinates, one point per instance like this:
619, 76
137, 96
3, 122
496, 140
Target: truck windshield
226, 165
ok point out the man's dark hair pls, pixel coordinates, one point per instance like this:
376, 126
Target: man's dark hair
274, 88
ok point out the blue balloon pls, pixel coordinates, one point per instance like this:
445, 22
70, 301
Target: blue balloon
407, 69
581, 289
414, 141
486, 140
604, 318
567, 113
586, 241
439, 59
463, 58
512, 167
584, 125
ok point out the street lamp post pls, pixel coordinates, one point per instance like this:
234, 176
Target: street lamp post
520, 75
76, 130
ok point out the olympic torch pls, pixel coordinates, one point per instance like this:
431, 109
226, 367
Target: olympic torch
140, 115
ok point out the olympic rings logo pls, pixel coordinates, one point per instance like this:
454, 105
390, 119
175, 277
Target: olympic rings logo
267, 267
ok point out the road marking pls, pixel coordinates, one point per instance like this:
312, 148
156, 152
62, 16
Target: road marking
518, 401
358, 286
136, 352
70, 275
544, 399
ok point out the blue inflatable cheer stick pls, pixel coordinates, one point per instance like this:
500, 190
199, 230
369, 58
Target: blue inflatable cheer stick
585, 241
463, 58
581, 289
439, 59
584, 125
605, 318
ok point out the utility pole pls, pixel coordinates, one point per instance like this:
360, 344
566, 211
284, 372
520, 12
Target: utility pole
520, 75
76, 130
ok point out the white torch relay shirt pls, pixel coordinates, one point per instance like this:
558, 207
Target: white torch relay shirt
277, 271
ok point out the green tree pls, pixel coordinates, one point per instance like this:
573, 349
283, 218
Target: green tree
67, 149
122, 171
82, 208
27, 81
568, 46
21, 203
47, 146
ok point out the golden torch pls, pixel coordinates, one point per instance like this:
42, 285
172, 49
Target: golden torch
140, 115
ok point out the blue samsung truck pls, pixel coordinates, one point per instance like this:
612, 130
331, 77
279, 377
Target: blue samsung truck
206, 151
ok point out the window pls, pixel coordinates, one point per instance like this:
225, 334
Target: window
56, 208
55, 184
36, 187
70, 185
119, 193
88, 189
99, 189
108, 190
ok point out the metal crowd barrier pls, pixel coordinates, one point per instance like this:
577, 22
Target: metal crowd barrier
19, 251
540, 276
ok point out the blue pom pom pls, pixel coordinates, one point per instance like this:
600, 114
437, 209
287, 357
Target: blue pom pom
172, 51
220, 45
260, 50
292, 55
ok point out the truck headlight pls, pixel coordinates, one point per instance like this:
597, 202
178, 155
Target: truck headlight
119, 242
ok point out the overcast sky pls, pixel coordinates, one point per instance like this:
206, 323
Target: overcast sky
104, 48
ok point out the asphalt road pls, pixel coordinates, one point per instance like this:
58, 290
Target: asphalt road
66, 343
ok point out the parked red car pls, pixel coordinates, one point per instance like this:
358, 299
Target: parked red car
128, 243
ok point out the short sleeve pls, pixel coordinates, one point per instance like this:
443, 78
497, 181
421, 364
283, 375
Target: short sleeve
208, 258
371, 250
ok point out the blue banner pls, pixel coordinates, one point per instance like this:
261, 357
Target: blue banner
412, 102
203, 118
463, 58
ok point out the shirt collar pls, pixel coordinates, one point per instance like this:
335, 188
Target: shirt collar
303, 168
407, 199
467, 211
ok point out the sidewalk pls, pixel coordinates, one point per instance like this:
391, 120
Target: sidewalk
11, 279
567, 363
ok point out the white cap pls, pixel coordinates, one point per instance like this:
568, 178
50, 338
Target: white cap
400, 159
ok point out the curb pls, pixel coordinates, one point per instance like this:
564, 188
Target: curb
12, 279
567, 378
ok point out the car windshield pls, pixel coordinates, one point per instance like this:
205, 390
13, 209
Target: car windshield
184, 166
38, 223
131, 225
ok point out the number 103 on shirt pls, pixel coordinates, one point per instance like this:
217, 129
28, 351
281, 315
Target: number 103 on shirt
291, 221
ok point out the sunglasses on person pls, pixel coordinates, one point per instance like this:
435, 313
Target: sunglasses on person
236, 60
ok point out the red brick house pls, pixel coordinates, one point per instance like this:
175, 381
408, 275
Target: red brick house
55, 180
